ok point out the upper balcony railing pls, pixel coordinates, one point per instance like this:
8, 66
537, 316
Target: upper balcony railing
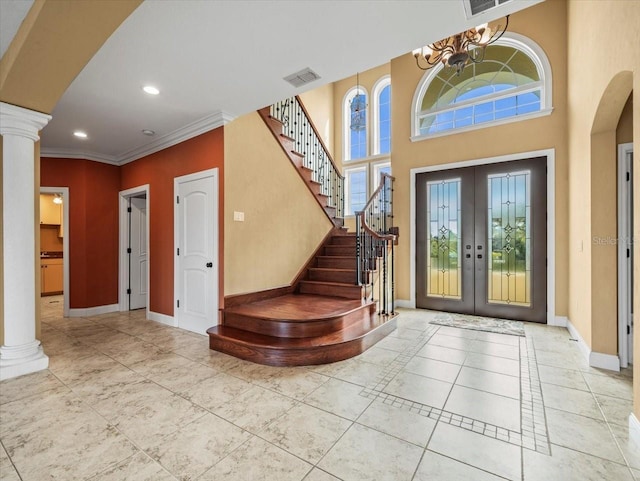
297, 125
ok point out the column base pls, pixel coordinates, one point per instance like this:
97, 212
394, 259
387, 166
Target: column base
12, 366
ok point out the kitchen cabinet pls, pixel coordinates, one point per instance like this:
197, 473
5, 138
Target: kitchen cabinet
50, 213
51, 277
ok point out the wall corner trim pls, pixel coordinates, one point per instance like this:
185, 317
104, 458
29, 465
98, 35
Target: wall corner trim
161, 318
558, 321
93, 311
634, 428
600, 360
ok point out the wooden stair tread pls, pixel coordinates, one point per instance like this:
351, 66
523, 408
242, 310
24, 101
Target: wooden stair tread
240, 336
299, 307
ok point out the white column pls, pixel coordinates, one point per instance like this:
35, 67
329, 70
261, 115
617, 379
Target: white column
21, 352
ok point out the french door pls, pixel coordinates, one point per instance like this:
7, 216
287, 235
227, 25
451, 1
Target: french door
482, 240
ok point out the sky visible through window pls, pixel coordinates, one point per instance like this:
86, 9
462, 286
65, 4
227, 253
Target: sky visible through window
489, 111
384, 112
357, 191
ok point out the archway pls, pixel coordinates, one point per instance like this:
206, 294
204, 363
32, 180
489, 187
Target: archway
604, 270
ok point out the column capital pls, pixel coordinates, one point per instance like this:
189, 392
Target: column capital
21, 122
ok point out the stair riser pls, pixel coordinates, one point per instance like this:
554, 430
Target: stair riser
333, 250
343, 240
347, 292
333, 276
337, 262
299, 329
273, 356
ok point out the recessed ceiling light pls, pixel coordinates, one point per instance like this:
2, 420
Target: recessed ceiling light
151, 90
148, 132
80, 134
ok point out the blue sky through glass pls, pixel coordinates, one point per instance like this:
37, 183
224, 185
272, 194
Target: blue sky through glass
384, 112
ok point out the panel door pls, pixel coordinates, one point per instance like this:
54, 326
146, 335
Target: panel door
138, 256
481, 240
197, 268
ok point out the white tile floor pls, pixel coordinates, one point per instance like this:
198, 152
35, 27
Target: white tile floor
130, 399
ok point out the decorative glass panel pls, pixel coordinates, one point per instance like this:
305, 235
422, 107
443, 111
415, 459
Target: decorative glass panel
506, 84
509, 238
444, 276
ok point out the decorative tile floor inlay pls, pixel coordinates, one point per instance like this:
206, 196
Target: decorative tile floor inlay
533, 434
477, 323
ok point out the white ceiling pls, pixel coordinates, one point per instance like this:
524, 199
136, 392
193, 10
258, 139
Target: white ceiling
214, 60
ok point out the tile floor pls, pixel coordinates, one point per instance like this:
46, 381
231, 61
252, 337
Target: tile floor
130, 399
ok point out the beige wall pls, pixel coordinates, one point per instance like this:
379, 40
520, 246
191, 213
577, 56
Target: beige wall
624, 131
283, 223
546, 25
601, 79
319, 105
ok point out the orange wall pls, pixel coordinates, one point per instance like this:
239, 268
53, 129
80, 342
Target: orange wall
158, 170
93, 227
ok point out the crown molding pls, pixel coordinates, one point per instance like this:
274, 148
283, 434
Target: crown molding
199, 127
187, 132
74, 154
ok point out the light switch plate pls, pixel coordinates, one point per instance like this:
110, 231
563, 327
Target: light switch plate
238, 216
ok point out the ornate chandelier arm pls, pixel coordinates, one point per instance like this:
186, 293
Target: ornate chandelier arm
494, 37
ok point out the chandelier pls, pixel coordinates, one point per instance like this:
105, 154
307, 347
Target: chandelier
460, 49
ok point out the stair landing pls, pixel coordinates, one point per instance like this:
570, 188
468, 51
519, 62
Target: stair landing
299, 329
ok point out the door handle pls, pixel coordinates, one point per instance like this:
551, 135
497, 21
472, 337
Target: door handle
209, 264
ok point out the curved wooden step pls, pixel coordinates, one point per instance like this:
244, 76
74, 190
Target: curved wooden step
277, 351
298, 316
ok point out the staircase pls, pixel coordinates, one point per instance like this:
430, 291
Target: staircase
324, 319
329, 313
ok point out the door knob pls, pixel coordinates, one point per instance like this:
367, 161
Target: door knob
209, 264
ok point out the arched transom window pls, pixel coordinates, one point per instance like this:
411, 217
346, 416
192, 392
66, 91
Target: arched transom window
513, 82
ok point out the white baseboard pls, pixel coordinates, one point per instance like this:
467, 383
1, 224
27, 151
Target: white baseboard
162, 318
593, 358
634, 428
94, 311
406, 304
604, 361
558, 321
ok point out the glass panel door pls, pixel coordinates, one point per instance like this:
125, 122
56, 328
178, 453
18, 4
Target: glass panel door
481, 240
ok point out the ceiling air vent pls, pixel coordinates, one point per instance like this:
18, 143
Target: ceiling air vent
475, 7
302, 77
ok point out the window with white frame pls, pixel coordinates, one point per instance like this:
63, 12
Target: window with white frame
355, 124
382, 116
367, 128
355, 189
513, 82
377, 169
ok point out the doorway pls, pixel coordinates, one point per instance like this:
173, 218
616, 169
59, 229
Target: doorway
481, 240
134, 249
61, 231
625, 254
196, 248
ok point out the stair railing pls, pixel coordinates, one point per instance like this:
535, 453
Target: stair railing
298, 125
375, 240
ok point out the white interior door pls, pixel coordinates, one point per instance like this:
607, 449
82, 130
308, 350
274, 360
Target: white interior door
196, 251
138, 261
625, 254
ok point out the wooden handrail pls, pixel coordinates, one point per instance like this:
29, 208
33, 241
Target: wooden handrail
385, 237
378, 189
313, 126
